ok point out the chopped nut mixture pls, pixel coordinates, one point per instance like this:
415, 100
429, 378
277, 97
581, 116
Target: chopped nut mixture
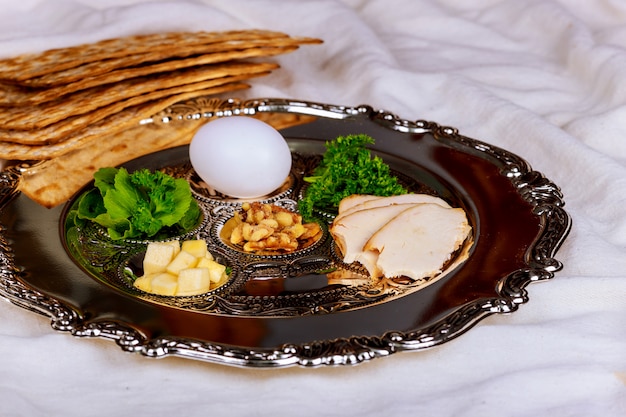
268, 227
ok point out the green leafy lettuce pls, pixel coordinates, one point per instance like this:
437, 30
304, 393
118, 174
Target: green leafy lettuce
347, 168
141, 204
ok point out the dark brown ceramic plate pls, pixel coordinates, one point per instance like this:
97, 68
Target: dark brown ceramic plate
279, 310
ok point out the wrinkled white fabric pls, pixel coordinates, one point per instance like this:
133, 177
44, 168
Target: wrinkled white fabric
541, 78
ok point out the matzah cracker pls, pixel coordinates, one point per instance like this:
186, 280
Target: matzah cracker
114, 122
27, 66
166, 66
157, 60
54, 136
119, 95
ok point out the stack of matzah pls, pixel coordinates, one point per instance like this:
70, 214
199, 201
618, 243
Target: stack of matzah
77, 109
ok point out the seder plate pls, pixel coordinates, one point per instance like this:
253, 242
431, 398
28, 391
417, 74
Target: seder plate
306, 308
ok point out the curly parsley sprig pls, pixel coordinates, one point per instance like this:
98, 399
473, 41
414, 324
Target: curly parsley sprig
347, 168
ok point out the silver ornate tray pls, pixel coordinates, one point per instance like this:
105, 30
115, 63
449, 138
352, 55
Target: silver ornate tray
304, 308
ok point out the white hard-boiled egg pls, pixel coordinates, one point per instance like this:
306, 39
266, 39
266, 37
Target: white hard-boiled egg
240, 156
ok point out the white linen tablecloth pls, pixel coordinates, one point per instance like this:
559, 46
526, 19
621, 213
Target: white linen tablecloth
541, 78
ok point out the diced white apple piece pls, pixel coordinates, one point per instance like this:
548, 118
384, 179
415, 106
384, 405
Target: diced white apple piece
192, 281
216, 270
144, 283
164, 284
204, 263
183, 260
158, 256
197, 248
222, 280
175, 244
